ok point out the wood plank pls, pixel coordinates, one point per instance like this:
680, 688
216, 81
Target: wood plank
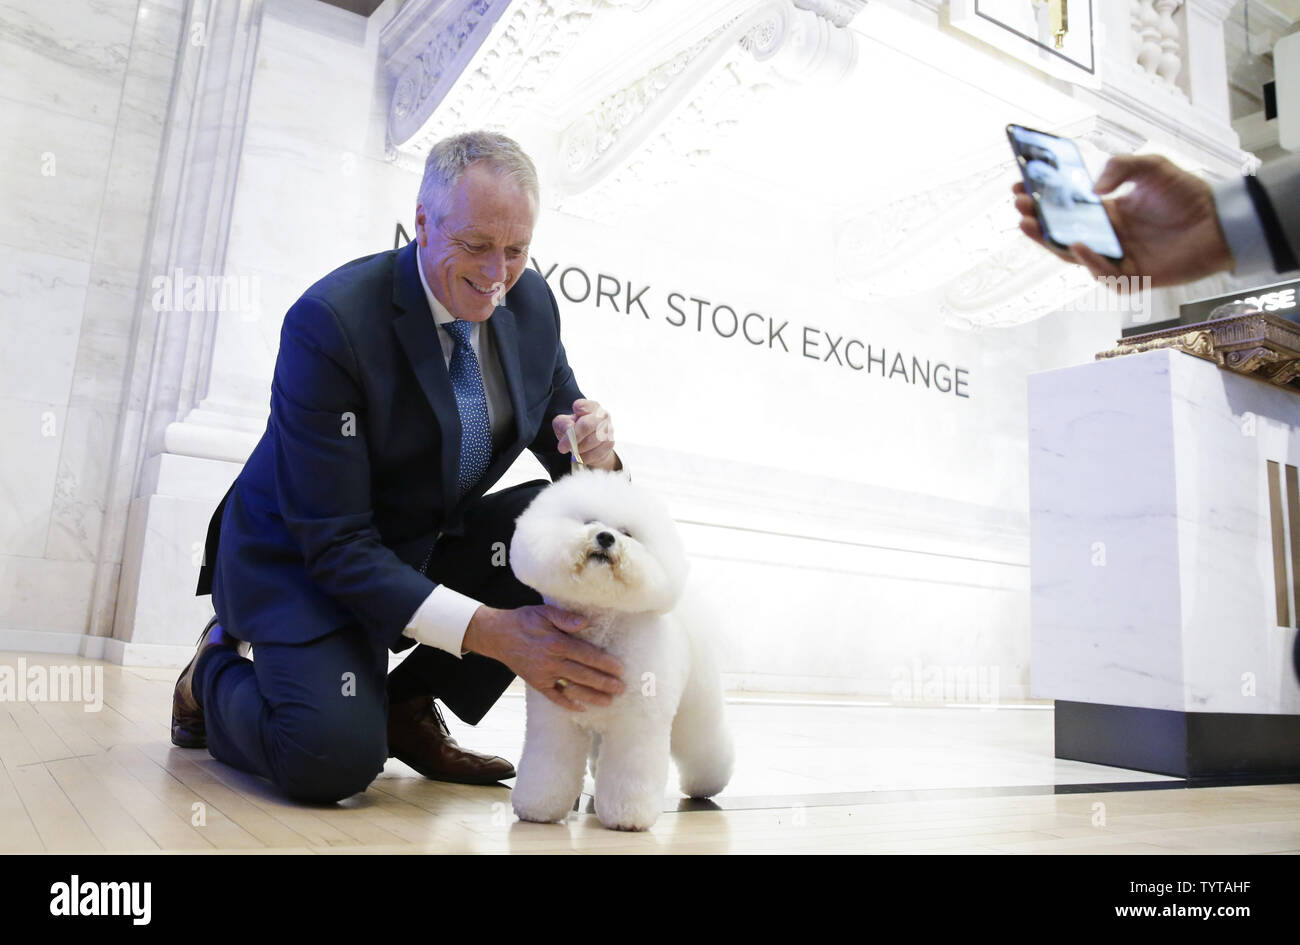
86, 781
68, 722
46, 744
250, 805
110, 822
166, 821
17, 831
56, 819
15, 749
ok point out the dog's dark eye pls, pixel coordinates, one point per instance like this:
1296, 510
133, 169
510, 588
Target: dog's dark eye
625, 533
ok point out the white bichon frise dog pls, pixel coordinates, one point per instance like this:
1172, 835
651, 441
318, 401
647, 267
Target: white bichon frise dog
595, 544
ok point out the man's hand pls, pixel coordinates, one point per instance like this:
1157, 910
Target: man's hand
595, 434
536, 643
1167, 224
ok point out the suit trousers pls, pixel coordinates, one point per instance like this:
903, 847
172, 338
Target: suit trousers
313, 717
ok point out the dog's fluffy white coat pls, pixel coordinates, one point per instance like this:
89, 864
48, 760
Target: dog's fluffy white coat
629, 588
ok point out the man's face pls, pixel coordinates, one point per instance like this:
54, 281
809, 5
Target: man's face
478, 251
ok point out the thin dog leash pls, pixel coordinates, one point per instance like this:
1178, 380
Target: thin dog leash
574, 456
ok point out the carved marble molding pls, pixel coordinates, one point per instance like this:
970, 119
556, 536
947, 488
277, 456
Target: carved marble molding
474, 63
671, 116
488, 63
1105, 135
1015, 282
733, 92
923, 238
839, 13
961, 239
939, 231
804, 42
455, 31
1218, 10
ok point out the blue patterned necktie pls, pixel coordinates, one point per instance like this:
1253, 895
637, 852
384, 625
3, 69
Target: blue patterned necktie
471, 402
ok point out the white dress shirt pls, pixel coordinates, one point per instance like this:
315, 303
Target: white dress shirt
445, 614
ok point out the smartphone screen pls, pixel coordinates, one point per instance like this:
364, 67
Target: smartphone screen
1068, 209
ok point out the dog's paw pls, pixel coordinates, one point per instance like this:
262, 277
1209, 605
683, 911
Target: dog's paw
627, 813
700, 788
631, 828
540, 806
705, 777
542, 813
705, 780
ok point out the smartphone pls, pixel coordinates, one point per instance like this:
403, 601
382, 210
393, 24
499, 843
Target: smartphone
1055, 176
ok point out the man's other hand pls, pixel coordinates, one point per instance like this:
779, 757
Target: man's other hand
1167, 224
537, 643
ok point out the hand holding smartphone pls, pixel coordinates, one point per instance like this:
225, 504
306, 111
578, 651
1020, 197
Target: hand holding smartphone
1068, 209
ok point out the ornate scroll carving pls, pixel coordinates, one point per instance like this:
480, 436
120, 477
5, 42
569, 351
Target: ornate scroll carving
417, 85
1260, 344
486, 60
460, 79
837, 12
798, 44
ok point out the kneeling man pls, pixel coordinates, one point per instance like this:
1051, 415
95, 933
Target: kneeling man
406, 384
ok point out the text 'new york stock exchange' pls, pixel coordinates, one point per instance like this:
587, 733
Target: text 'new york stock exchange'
756, 329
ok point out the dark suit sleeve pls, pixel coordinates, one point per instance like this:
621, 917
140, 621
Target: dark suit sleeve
1277, 202
564, 391
322, 474
1260, 218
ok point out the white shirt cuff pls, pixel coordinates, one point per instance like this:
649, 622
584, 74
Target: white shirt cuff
1241, 227
442, 619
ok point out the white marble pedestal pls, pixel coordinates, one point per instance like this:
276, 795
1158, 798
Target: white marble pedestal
1164, 566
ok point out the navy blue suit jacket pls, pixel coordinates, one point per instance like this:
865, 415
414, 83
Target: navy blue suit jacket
336, 508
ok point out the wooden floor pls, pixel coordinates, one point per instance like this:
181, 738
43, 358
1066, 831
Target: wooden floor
811, 777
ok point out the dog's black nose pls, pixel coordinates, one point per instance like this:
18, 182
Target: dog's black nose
604, 539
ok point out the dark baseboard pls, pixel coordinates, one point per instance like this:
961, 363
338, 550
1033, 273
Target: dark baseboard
1191, 745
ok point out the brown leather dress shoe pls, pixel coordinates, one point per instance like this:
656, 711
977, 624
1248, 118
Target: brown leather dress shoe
187, 715
418, 736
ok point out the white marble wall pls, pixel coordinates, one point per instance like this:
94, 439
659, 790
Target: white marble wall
848, 529
315, 189
855, 535
1151, 543
82, 92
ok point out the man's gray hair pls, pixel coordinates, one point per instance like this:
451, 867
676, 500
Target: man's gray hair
449, 158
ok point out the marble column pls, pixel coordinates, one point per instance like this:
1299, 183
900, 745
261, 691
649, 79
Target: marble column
178, 449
